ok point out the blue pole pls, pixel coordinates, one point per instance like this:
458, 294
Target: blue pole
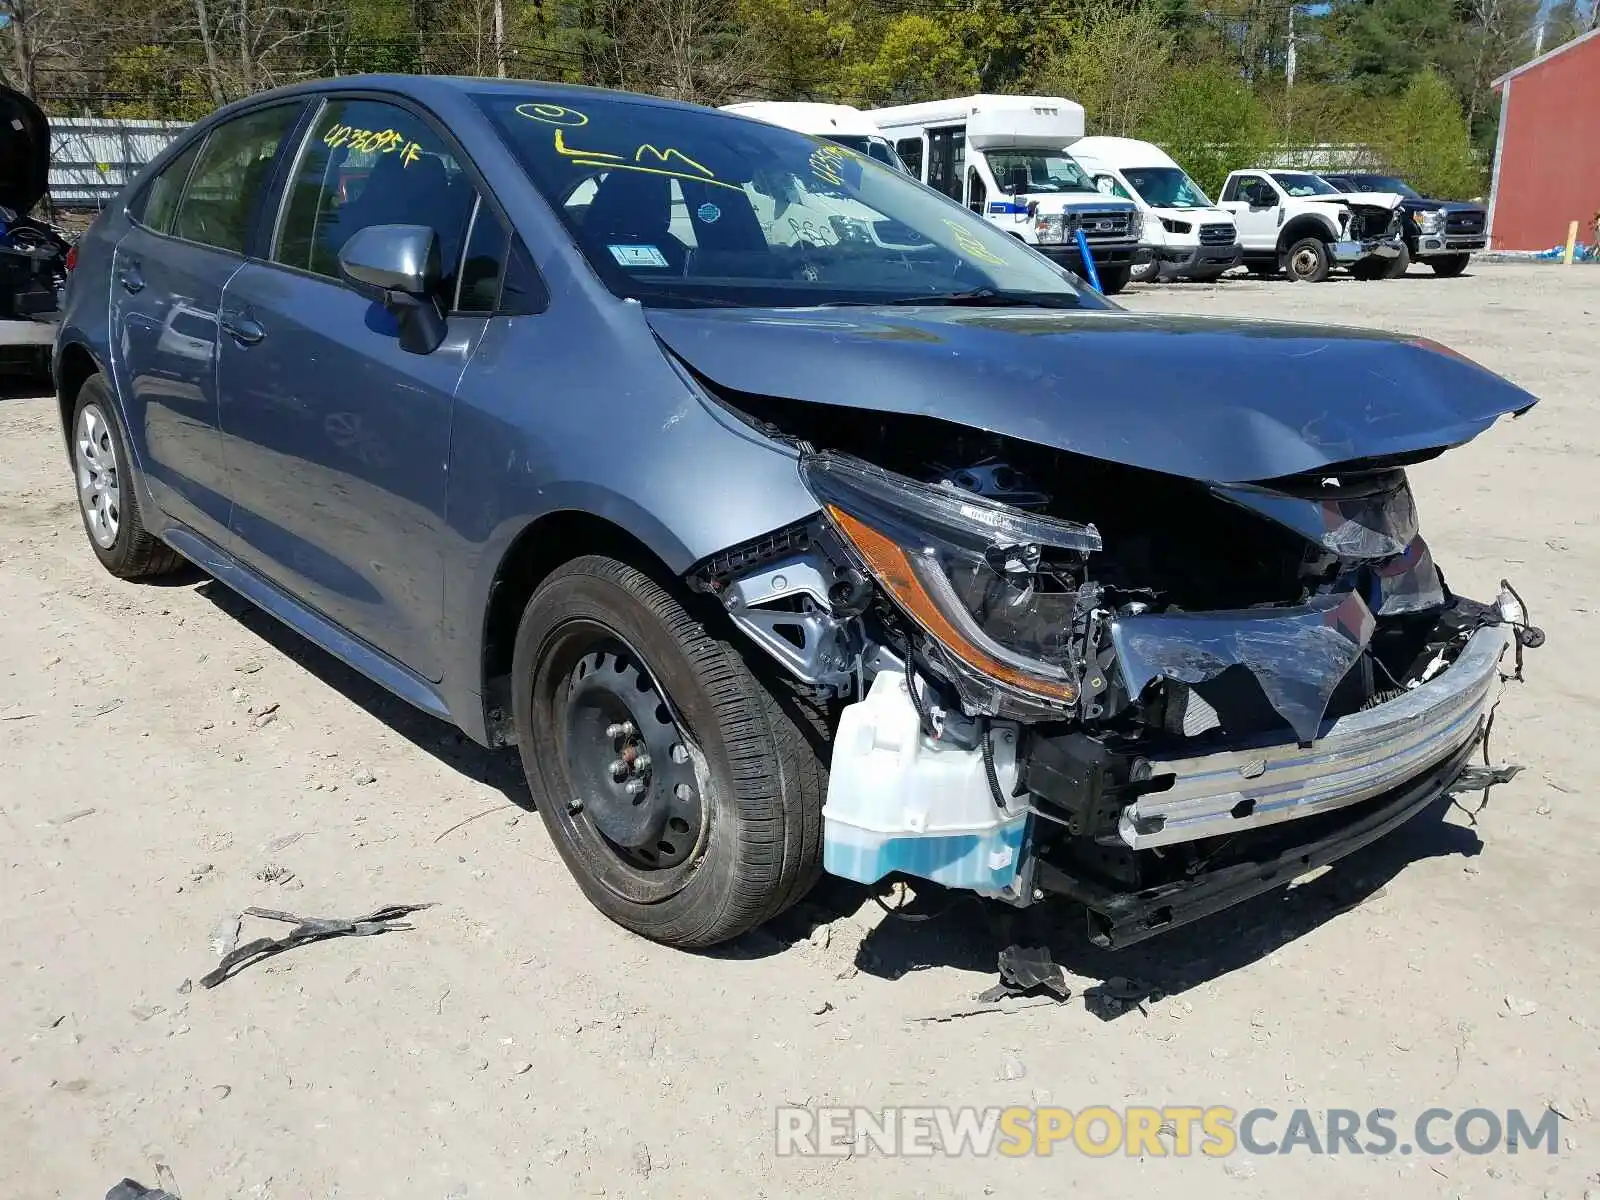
1088, 260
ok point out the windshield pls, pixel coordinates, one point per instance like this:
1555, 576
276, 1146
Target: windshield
674, 205
1166, 187
1384, 183
1299, 184
875, 147
1046, 172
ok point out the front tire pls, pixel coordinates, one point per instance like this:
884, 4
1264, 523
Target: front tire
1146, 271
1114, 279
1400, 264
1308, 261
720, 828
1448, 266
108, 499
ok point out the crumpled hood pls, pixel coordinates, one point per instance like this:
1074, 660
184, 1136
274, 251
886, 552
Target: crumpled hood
1222, 401
1389, 200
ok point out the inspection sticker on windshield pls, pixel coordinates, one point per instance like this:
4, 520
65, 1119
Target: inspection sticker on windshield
638, 256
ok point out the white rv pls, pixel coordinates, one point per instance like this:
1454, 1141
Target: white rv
1188, 236
841, 123
1005, 157
847, 219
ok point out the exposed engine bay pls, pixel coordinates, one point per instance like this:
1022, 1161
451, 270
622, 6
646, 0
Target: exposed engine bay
1052, 673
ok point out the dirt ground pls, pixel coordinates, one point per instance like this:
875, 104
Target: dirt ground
165, 752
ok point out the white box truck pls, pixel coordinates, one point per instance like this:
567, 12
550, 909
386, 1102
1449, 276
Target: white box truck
1187, 236
849, 127
1005, 157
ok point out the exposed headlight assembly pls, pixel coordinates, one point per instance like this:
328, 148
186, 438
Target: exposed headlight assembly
993, 587
1175, 226
1049, 229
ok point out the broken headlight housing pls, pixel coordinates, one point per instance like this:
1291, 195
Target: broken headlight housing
995, 588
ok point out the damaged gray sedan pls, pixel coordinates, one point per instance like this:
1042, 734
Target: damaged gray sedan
785, 515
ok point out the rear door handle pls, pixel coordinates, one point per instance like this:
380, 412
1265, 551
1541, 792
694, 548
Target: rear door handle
242, 328
130, 279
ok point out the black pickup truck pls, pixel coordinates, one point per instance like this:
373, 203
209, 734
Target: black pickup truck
1441, 233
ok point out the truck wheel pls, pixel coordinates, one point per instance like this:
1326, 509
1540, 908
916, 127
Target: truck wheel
1400, 264
1448, 266
1114, 279
683, 796
108, 498
1308, 261
1147, 271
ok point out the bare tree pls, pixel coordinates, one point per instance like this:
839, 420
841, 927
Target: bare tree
36, 31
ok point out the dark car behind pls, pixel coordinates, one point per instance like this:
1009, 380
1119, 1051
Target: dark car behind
1442, 233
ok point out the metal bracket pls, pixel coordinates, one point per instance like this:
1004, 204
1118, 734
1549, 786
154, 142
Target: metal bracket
807, 640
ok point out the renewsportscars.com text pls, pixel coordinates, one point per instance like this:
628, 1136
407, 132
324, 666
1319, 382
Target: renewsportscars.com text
1159, 1131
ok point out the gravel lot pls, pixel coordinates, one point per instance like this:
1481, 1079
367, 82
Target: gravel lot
164, 751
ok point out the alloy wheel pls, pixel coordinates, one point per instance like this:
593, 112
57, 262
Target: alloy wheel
99, 487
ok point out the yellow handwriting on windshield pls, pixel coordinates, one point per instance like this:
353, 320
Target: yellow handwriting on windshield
972, 247
667, 156
827, 163
570, 152
552, 114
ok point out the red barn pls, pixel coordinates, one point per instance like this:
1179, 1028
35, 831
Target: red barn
1547, 157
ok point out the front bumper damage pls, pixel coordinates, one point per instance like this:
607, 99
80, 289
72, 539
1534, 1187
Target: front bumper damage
1357, 757
1353, 251
1226, 681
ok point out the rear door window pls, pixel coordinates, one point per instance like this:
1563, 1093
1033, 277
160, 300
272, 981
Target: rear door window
231, 176
369, 162
161, 197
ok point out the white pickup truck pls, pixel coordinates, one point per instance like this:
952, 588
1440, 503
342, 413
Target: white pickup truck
1296, 222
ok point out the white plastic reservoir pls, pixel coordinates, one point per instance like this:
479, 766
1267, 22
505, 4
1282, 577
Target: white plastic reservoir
898, 801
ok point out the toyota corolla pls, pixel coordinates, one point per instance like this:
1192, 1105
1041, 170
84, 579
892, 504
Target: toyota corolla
777, 541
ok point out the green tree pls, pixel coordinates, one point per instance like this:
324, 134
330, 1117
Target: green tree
1211, 122
1115, 59
1426, 140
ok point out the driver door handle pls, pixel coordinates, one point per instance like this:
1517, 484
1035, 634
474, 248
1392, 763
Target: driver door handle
132, 282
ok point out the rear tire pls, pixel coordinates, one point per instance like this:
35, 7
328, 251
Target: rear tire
1307, 261
724, 828
108, 490
1448, 266
1114, 279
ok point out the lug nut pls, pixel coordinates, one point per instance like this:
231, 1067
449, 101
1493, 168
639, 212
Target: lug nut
574, 806
642, 763
618, 768
634, 787
622, 730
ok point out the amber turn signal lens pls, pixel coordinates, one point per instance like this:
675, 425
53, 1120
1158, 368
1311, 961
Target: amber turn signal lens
889, 563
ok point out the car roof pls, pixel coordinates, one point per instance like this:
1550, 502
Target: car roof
422, 87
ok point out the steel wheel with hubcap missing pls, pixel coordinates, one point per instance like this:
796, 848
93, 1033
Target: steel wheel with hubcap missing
635, 795
99, 491
679, 789
1308, 261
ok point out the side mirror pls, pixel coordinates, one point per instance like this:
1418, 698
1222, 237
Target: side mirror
1019, 180
398, 266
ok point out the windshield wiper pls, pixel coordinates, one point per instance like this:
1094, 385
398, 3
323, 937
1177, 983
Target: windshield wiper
987, 297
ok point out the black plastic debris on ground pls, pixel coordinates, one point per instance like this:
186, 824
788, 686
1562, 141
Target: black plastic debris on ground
305, 931
130, 1190
1027, 969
